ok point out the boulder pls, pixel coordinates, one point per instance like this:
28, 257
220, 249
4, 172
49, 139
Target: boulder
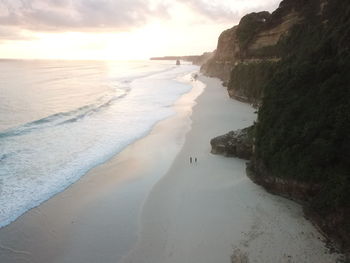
234, 144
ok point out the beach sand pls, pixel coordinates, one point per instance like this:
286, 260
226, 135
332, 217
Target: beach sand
149, 204
210, 211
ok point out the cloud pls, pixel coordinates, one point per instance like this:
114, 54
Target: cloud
111, 15
213, 10
229, 11
79, 15
10, 33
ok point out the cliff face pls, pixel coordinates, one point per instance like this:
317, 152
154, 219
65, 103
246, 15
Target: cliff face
297, 64
303, 127
247, 80
272, 33
224, 57
254, 40
200, 60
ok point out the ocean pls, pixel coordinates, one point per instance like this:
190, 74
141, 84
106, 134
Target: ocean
59, 119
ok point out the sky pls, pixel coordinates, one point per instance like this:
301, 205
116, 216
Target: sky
117, 29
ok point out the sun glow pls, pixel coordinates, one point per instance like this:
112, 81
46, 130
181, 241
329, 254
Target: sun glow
178, 35
182, 28
152, 40
78, 45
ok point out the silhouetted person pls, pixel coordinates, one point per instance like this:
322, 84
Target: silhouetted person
190, 159
195, 159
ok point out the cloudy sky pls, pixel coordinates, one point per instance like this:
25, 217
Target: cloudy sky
117, 29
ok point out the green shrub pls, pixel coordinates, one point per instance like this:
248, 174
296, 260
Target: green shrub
303, 128
249, 80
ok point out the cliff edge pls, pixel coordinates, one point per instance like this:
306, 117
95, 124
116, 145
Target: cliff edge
294, 64
251, 45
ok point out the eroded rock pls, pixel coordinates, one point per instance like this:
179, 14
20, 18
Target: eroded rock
234, 144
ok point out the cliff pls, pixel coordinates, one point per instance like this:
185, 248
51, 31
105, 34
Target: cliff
254, 41
296, 64
224, 57
303, 127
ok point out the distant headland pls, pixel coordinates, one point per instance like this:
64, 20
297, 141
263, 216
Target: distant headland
195, 59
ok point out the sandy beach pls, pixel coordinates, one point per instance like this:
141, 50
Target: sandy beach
211, 212
149, 204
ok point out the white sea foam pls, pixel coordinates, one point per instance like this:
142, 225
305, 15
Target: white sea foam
44, 156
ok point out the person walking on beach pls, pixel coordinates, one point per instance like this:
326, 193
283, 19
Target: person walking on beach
190, 159
195, 159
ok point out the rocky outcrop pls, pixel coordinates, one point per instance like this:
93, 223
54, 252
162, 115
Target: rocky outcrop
234, 144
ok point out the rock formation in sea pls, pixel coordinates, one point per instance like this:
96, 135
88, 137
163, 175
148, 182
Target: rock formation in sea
195, 59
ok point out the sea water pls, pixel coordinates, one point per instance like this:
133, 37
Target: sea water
59, 119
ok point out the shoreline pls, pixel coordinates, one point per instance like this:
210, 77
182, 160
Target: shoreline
69, 227
35, 165
212, 212
148, 204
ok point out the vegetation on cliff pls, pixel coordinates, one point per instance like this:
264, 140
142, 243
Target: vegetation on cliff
303, 129
249, 26
302, 136
256, 39
247, 80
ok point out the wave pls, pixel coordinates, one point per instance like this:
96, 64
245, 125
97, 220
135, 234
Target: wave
130, 79
122, 86
41, 158
66, 117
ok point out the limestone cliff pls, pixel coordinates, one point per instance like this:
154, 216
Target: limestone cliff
253, 40
224, 57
